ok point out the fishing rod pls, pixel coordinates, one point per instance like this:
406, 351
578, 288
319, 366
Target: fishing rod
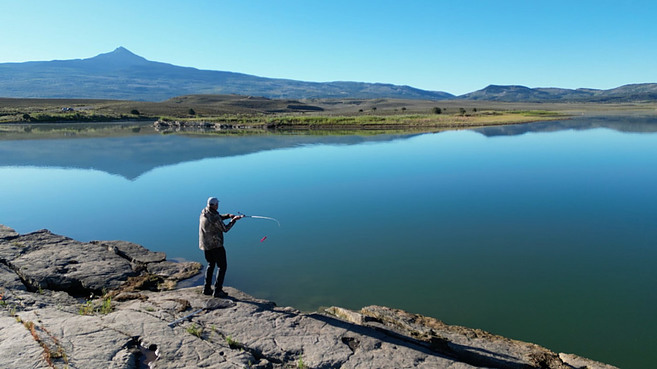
260, 217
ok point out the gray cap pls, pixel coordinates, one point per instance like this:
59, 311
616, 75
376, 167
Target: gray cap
213, 201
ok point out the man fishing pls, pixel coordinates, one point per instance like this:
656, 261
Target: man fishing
211, 240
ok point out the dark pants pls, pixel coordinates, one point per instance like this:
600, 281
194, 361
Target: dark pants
215, 257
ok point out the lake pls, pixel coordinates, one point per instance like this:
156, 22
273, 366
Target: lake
543, 232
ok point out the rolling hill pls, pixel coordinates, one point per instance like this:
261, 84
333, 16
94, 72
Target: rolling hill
122, 75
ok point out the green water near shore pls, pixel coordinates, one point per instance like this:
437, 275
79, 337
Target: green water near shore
543, 233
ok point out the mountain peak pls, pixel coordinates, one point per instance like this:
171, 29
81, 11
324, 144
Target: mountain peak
122, 50
121, 56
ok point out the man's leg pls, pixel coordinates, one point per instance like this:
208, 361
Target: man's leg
211, 258
221, 273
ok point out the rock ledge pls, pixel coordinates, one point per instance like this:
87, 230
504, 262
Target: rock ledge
138, 319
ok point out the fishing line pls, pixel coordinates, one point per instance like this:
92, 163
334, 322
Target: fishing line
260, 217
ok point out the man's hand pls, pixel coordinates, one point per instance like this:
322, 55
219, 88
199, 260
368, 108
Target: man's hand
237, 217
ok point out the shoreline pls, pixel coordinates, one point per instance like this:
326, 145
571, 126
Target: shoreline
256, 126
47, 319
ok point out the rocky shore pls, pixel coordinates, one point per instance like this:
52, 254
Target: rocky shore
167, 125
115, 304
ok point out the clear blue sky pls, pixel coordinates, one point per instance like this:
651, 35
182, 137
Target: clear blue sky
455, 46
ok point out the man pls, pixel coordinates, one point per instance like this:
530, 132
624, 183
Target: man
211, 241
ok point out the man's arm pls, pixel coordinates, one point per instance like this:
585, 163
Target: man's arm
226, 227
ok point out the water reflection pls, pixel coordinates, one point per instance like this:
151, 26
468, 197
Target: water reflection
130, 149
133, 155
631, 124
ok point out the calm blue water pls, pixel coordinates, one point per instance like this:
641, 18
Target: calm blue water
544, 232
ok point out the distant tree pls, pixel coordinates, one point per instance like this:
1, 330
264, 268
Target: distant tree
27, 117
403, 108
134, 112
374, 108
191, 111
360, 110
474, 110
436, 110
462, 111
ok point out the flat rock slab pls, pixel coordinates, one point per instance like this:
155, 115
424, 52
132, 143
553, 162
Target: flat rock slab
18, 347
473, 346
177, 271
7, 233
133, 252
44, 260
48, 261
12, 247
9, 279
256, 333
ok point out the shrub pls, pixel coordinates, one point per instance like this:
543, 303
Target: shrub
232, 343
88, 308
106, 307
195, 330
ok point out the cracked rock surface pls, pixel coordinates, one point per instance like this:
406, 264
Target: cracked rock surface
138, 323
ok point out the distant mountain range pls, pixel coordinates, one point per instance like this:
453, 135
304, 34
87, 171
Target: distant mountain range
627, 93
122, 75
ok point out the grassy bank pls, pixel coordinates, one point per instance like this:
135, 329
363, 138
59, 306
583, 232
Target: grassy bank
315, 114
410, 121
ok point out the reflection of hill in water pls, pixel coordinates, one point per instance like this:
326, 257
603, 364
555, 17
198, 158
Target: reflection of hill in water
636, 124
133, 156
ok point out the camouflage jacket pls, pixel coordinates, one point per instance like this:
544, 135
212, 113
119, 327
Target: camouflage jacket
211, 229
